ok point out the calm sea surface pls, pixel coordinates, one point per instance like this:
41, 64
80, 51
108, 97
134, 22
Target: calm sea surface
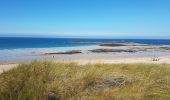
15, 43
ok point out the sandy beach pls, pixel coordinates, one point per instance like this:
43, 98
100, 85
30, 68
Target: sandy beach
99, 59
116, 60
6, 67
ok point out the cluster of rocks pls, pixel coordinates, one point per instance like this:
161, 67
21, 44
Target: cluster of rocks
130, 48
94, 51
122, 44
66, 52
112, 50
165, 48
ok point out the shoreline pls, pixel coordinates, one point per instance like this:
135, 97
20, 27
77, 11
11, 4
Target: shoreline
110, 53
128, 49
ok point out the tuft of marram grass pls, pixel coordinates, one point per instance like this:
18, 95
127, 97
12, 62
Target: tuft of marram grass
59, 81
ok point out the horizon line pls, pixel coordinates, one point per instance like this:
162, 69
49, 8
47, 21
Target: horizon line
79, 37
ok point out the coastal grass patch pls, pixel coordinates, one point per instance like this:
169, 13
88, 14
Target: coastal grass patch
61, 81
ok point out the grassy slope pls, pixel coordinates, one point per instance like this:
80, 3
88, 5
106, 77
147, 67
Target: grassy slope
47, 80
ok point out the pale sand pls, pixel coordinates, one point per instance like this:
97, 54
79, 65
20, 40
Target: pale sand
6, 67
95, 60
116, 60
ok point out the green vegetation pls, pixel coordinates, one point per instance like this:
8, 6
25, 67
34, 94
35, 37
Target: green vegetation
59, 81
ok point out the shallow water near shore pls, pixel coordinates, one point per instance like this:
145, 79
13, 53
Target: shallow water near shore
21, 55
28, 49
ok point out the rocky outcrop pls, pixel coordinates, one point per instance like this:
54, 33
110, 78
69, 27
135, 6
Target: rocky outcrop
122, 44
165, 48
66, 52
111, 50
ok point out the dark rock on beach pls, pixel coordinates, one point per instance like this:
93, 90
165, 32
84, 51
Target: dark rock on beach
122, 44
112, 44
79, 42
66, 52
111, 50
165, 48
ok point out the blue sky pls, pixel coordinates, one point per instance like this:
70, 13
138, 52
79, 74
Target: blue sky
85, 18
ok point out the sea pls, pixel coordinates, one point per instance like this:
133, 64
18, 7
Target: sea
28, 48
23, 42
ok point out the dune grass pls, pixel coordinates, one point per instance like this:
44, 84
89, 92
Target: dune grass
59, 81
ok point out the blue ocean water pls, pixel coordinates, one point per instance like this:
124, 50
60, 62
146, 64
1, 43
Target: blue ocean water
18, 42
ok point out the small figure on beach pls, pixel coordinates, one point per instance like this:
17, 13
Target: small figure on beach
155, 58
